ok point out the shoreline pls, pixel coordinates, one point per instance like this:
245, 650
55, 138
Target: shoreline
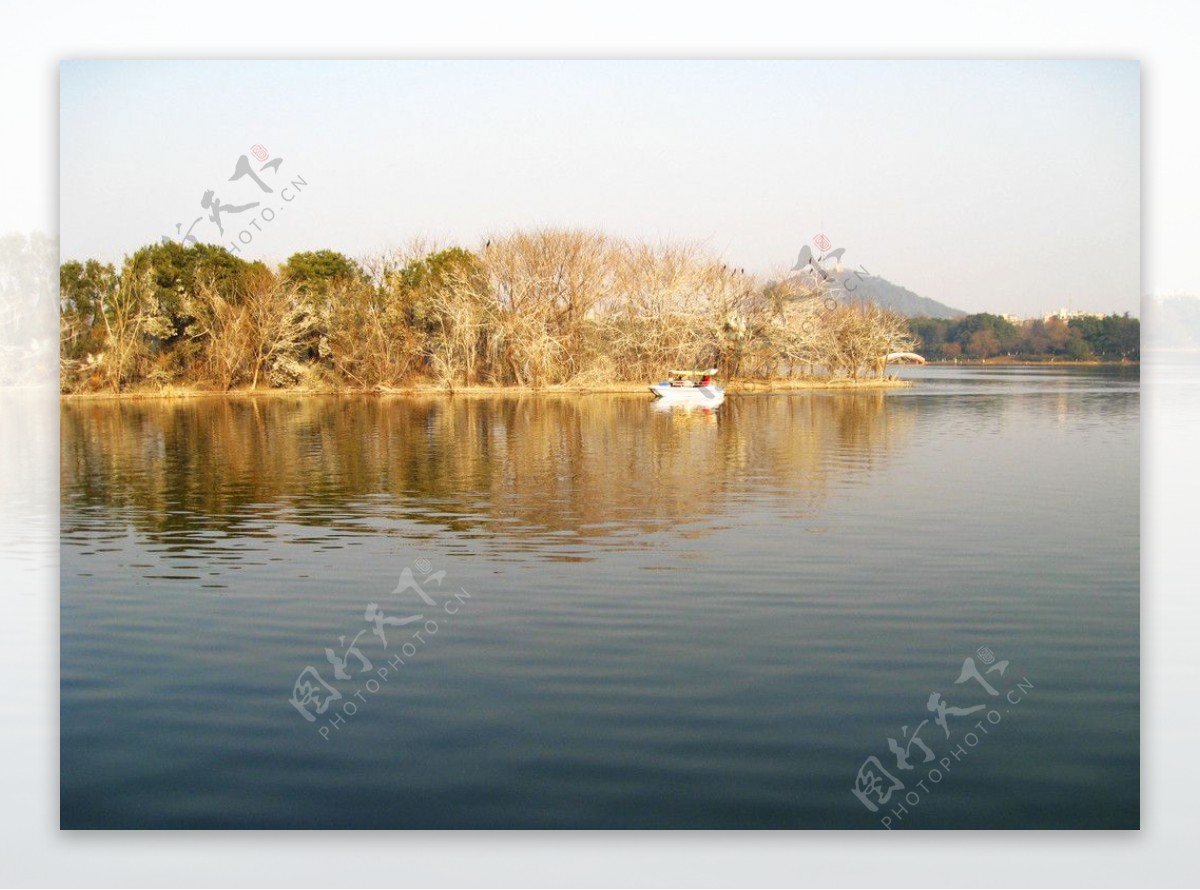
746, 387
1031, 362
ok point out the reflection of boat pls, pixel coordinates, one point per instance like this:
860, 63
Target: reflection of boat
684, 388
681, 408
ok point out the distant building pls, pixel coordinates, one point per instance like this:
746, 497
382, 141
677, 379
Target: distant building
1068, 314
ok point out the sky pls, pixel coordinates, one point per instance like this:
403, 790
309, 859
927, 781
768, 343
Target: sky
1009, 187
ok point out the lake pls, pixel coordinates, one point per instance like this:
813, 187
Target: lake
599, 614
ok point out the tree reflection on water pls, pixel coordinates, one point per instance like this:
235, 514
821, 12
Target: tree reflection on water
591, 466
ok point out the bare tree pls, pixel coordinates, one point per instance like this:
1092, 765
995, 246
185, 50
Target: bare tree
278, 327
859, 338
129, 318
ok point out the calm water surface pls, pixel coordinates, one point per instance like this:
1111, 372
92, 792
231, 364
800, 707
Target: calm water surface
647, 618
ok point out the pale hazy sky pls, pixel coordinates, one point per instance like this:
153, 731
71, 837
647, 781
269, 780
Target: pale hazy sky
997, 186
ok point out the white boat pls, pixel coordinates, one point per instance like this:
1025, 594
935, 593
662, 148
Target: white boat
683, 389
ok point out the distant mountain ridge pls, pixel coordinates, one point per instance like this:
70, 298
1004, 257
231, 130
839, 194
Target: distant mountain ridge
882, 292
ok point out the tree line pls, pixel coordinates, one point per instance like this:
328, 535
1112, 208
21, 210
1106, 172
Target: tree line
982, 336
533, 309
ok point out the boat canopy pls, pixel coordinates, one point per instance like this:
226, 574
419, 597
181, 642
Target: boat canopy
709, 372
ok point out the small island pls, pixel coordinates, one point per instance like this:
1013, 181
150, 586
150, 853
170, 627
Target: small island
541, 310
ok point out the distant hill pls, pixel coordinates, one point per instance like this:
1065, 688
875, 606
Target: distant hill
901, 299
